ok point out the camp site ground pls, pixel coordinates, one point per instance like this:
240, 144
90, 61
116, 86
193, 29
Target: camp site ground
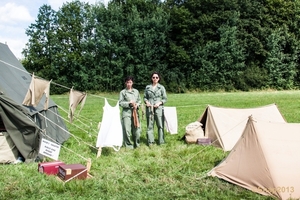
176, 170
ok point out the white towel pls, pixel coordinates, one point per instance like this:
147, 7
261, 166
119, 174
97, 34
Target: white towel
170, 114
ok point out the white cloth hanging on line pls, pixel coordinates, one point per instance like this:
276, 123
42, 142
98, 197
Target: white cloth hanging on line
76, 98
171, 123
37, 89
110, 133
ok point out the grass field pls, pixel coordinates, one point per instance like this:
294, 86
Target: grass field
172, 171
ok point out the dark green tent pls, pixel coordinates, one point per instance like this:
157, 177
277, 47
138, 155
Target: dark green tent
19, 128
25, 124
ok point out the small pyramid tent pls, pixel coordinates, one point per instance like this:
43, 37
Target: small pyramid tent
23, 124
224, 126
266, 160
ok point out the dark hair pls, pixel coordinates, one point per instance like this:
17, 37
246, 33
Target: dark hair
128, 78
155, 72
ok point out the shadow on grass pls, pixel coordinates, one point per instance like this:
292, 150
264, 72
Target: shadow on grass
217, 162
105, 151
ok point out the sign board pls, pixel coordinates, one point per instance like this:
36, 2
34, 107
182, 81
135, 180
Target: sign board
49, 149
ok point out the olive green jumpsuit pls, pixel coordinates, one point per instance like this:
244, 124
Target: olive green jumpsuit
158, 94
127, 119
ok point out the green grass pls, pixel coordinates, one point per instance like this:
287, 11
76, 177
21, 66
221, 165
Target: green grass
172, 171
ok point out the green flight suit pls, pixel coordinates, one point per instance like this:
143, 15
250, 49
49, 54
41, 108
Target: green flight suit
127, 119
153, 96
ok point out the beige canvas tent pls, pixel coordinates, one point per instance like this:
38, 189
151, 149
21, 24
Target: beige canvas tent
224, 126
266, 160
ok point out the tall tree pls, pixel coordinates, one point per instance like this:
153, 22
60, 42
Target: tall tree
40, 48
70, 34
281, 66
133, 41
194, 24
109, 40
146, 39
195, 44
220, 63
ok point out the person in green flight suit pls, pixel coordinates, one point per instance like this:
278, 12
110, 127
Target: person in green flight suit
130, 102
155, 97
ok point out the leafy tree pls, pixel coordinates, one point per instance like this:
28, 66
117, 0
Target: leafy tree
91, 46
146, 39
220, 62
195, 25
281, 66
177, 55
253, 77
108, 32
40, 48
70, 35
251, 31
259, 19
195, 44
134, 42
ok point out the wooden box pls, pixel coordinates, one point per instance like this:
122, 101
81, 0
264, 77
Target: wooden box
49, 168
203, 141
72, 171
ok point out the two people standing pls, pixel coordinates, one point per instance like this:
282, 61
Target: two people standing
155, 97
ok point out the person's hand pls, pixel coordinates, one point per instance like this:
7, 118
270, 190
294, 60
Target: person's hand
135, 106
157, 105
148, 104
131, 103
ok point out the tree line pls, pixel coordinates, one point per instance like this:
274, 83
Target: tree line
203, 45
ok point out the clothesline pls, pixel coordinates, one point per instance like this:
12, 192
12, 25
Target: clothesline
52, 82
74, 102
77, 138
72, 123
43, 132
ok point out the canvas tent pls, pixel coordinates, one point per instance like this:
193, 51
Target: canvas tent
18, 133
24, 123
266, 160
224, 126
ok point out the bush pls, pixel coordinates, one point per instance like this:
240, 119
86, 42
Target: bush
252, 78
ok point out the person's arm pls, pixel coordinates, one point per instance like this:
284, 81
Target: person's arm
138, 100
146, 100
163, 95
163, 98
122, 102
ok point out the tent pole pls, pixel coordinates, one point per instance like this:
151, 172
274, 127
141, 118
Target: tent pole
99, 152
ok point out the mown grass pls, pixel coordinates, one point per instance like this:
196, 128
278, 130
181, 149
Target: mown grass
172, 171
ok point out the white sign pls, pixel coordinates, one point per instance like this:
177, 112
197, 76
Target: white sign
49, 149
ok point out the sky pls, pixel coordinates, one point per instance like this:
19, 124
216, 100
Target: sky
17, 15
